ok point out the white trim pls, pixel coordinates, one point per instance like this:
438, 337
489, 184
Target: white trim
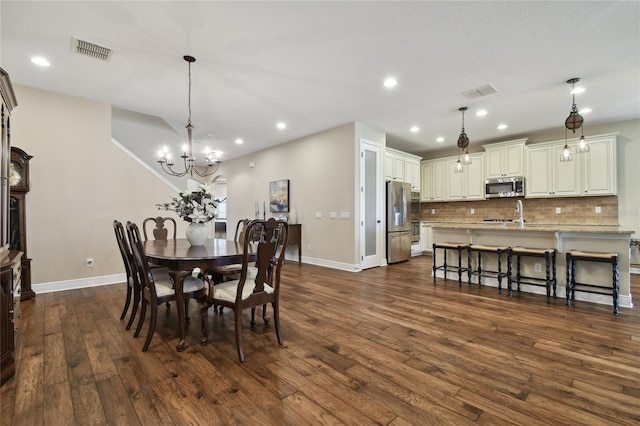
79, 283
624, 301
329, 264
145, 165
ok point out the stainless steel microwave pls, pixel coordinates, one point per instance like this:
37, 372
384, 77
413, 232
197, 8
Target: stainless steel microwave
504, 187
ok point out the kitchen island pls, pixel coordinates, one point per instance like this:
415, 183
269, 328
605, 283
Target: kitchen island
563, 238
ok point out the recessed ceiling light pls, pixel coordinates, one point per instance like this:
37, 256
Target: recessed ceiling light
577, 90
239, 141
281, 125
585, 110
502, 126
414, 129
439, 139
481, 113
40, 61
390, 82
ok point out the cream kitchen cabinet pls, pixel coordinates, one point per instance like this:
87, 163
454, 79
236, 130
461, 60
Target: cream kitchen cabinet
403, 167
412, 174
433, 180
591, 173
505, 159
426, 237
468, 185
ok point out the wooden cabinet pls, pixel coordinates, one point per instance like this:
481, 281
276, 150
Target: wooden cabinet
403, 167
10, 261
433, 178
10, 275
468, 185
591, 173
19, 184
505, 159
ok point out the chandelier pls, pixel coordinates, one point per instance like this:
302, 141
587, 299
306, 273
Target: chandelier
463, 143
574, 121
211, 158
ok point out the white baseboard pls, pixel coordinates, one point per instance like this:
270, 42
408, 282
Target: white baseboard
79, 283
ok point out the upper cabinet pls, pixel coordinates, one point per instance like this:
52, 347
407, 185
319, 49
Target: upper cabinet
468, 185
402, 167
433, 180
590, 173
505, 159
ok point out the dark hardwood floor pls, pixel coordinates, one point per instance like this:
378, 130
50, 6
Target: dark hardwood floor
384, 346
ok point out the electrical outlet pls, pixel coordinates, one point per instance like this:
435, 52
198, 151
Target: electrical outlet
537, 267
309, 247
598, 209
89, 263
318, 215
558, 210
433, 211
473, 211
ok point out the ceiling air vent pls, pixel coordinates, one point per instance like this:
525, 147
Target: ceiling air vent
480, 92
87, 48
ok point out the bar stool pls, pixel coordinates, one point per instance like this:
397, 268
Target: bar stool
612, 258
446, 268
549, 255
479, 249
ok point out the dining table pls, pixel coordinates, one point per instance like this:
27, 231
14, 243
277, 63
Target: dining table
182, 258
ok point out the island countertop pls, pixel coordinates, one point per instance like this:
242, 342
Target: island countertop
532, 227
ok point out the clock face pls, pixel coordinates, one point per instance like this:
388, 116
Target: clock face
15, 174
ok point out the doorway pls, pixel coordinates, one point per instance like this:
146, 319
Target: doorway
370, 205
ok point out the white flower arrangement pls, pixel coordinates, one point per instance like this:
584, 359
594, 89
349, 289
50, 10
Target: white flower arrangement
197, 206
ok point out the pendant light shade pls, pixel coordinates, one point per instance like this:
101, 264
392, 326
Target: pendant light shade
463, 143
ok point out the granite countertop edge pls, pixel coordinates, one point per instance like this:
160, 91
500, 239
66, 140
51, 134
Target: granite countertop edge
532, 227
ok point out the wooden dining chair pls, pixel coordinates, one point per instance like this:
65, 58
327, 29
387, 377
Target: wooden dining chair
133, 283
246, 292
160, 230
158, 290
232, 271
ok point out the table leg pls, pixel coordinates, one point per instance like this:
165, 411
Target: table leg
178, 282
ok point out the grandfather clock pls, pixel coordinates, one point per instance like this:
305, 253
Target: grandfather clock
19, 186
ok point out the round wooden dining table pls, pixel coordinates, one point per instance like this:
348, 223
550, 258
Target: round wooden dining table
181, 258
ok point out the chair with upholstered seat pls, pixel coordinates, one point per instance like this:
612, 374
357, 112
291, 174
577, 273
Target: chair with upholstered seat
160, 230
133, 283
245, 292
157, 290
232, 271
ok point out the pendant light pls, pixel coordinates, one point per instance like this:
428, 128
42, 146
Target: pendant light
463, 143
189, 167
573, 122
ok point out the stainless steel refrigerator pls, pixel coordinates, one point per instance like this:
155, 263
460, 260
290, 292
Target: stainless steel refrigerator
398, 222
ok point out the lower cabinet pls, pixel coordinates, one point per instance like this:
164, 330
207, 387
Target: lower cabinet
10, 271
426, 238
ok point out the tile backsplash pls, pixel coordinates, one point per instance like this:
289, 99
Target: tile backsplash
573, 210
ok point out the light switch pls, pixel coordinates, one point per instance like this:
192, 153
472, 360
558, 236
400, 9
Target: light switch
333, 215
318, 215
344, 215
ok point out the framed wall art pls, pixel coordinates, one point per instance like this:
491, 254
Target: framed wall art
279, 196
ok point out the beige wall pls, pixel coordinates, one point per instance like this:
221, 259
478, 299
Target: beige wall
80, 183
322, 178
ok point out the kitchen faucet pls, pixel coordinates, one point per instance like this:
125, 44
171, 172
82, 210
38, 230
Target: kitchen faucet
519, 209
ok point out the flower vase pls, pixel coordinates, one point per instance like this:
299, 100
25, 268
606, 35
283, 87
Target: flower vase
197, 233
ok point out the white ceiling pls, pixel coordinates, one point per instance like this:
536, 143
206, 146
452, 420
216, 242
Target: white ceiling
317, 65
